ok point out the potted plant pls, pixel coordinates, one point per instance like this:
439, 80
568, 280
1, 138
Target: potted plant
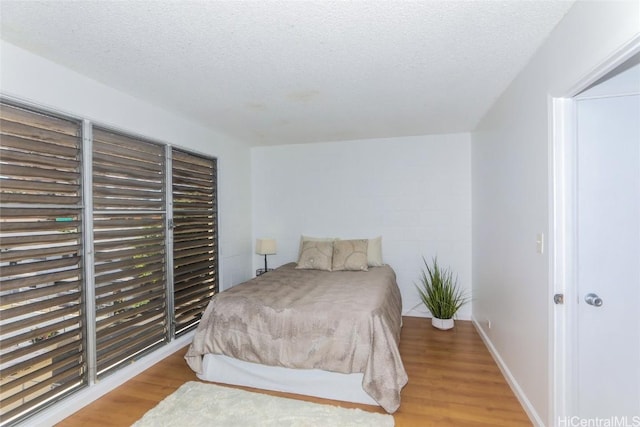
440, 293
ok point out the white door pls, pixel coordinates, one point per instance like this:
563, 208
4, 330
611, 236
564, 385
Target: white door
608, 259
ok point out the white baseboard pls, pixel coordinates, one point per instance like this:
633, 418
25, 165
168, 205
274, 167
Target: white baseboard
61, 410
515, 387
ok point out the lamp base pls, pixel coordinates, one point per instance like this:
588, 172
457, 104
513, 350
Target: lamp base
261, 271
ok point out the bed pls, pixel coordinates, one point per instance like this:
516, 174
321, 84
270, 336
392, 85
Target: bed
331, 334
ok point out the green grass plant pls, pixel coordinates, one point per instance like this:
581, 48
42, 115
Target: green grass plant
439, 291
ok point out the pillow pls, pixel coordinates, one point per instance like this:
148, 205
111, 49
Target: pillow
315, 255
349, 255
374, 252
304, 238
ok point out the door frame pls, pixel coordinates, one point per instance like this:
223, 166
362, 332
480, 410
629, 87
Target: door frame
562, 220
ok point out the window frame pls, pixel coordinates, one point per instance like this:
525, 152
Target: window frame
213, 287
35, 132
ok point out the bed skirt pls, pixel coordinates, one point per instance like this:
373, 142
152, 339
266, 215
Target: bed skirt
308, 382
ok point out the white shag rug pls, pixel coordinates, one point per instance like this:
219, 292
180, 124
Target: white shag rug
200, 404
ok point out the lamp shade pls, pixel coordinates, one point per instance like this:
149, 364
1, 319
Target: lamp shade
265, 246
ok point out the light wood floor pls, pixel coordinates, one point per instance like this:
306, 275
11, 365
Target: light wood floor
453, 381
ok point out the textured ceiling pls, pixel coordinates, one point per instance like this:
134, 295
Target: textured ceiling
280, 72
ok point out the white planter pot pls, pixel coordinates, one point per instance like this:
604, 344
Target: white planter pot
443, 324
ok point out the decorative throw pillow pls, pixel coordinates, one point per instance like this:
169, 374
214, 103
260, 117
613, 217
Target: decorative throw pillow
350, 255
374, 252
304, 238
315, 255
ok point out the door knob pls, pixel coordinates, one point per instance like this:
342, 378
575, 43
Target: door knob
593, 299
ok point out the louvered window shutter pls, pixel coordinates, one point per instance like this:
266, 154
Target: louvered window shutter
63, 327
129, 244
41, 292
195, 237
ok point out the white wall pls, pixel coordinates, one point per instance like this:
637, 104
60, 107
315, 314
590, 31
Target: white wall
511, 197
414, 191
30, 78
